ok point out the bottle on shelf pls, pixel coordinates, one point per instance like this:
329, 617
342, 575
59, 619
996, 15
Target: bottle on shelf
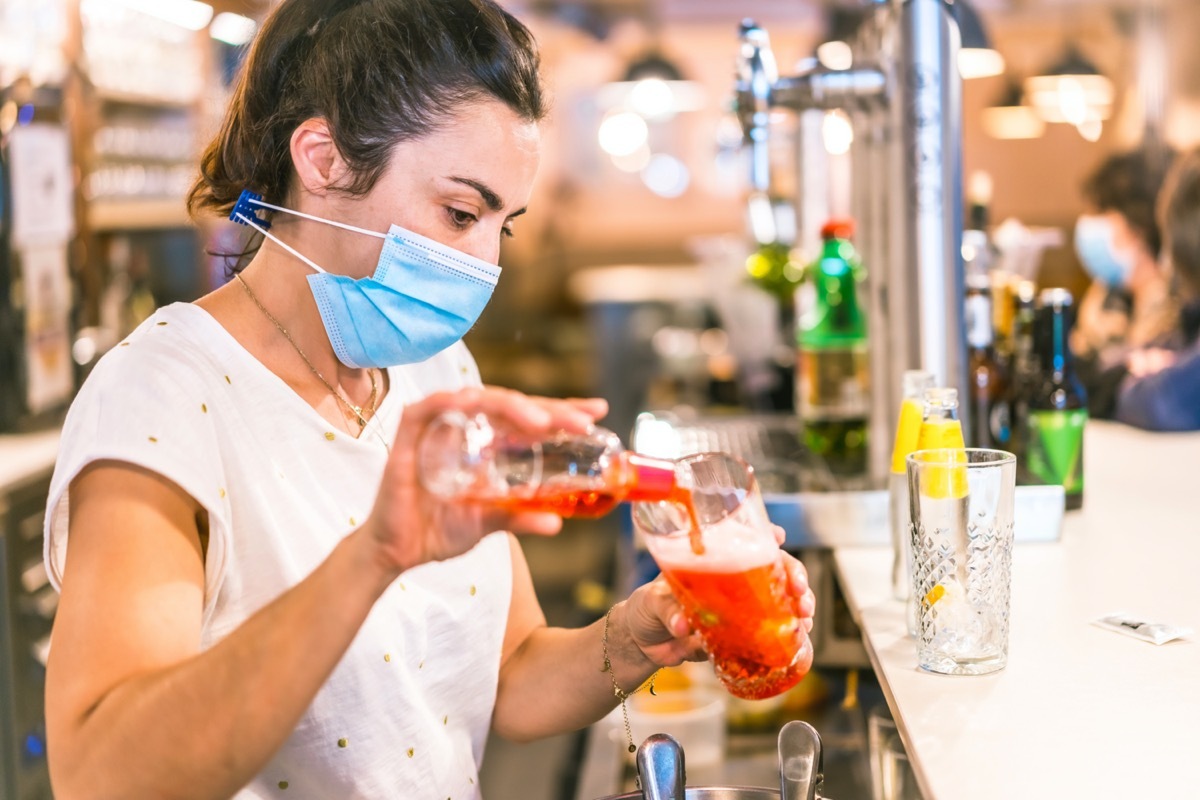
774, 268
1057, 411
991, 423
1024, 367
908, 429
832, 371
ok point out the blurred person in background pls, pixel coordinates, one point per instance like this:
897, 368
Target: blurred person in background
1129, 304
1162, 390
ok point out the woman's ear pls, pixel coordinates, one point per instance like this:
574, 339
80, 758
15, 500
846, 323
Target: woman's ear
316, 159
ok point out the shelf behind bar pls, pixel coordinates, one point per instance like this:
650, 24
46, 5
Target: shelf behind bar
138, 215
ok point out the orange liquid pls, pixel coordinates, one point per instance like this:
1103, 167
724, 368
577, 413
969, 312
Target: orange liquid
589, 503
750, 626
563, 502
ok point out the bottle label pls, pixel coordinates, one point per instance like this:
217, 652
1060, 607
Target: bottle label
1055, 447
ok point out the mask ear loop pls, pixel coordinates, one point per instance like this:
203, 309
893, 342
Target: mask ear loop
243, 214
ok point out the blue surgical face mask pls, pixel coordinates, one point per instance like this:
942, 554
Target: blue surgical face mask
1100, 257
422, 298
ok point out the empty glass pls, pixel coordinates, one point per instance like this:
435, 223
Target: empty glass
962, 536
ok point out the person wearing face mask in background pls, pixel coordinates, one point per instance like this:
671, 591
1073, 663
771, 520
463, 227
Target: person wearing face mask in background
261, 599
1129, 304
1162, 390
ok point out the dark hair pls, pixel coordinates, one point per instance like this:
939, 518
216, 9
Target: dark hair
378, 71
1180, 218
1129, 183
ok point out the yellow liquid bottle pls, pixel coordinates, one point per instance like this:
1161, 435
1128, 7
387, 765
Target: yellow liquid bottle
941, 430
908, 430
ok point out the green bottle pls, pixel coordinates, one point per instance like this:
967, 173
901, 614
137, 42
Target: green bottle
1058, 406
832, 385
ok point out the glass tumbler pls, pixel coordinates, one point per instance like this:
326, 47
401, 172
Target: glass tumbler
962, 537
733, 588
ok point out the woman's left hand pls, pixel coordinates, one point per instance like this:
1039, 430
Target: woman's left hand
660, 630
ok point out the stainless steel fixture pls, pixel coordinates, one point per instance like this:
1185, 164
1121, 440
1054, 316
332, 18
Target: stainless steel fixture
903, 97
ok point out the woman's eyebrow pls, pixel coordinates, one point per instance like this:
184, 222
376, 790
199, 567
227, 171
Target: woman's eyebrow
490, 198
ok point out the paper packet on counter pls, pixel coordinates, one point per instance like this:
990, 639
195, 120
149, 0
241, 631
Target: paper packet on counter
1153, 632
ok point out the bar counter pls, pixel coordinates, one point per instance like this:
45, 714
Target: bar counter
1080, 711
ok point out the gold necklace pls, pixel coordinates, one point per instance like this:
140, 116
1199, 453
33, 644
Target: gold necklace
357, 411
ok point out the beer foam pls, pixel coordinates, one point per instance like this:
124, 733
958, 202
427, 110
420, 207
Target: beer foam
728, 547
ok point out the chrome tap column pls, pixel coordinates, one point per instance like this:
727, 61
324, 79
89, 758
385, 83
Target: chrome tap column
929, 100
903, 97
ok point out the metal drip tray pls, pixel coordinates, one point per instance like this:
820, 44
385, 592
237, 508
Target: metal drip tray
815, 507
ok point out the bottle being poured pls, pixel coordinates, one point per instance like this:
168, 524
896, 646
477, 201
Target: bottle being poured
465, 457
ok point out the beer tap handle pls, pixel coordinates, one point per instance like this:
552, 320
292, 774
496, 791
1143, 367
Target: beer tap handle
800, 762
660, 768
757, 75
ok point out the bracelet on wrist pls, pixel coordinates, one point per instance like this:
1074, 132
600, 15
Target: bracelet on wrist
618, 692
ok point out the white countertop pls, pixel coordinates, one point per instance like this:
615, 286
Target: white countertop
23, 455
1079, 711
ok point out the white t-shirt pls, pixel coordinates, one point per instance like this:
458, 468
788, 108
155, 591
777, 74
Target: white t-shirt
407, 711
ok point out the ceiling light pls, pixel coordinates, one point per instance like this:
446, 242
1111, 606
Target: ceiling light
189, 14
1090, 129
976, 58
666, 176
623, 133
1071, 91
1011, 118
837, 133
232, 29
835, 54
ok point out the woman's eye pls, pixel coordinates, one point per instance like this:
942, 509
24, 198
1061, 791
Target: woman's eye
460, 219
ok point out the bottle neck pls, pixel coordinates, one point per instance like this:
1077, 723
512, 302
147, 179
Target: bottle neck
979, 322
1057, 360
646, 478
838, 316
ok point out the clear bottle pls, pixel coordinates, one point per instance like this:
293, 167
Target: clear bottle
908, 428
987, 392
940, 430
464, 457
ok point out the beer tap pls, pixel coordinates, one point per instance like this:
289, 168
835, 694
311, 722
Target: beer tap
905, 93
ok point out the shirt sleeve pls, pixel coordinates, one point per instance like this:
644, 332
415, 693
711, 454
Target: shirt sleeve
1166, 401
143, 407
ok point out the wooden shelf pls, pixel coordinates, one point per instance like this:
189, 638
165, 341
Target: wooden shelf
149, 101
138, 215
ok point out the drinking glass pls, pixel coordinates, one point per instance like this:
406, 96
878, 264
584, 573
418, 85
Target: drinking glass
961, 503
728, 578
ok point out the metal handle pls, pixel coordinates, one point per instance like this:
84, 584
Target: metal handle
660, 768
800, 761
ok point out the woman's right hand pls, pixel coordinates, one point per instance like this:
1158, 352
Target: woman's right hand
411, 526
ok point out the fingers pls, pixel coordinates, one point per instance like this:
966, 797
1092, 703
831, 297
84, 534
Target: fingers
595, 407
796, 573
526, 414
535, 523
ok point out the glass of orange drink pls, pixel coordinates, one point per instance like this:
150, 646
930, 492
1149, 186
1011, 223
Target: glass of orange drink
717, 550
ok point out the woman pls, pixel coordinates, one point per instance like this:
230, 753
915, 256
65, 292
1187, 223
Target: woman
1162, 392
260, 600
1129, 304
